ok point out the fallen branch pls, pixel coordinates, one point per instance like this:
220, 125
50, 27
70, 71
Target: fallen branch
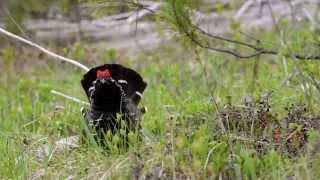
44, 50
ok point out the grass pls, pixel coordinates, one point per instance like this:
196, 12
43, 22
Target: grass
182, 129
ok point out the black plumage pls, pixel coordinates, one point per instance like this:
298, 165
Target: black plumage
114, 93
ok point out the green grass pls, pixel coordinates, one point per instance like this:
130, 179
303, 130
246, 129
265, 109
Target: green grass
182, 135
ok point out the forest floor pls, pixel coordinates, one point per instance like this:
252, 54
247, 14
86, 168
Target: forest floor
244, 120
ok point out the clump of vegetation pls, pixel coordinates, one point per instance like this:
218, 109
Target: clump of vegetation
256, 125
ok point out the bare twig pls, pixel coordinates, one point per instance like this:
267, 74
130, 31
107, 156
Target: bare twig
44, 50
226, 39
226, 51
69, 97
258, 50
192, 32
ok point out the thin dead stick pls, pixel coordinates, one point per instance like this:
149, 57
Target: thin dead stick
71, 61
69, 97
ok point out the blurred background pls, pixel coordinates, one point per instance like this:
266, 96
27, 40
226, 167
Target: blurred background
133, 25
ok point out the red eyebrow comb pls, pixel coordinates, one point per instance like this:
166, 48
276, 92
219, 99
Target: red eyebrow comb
103, 74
